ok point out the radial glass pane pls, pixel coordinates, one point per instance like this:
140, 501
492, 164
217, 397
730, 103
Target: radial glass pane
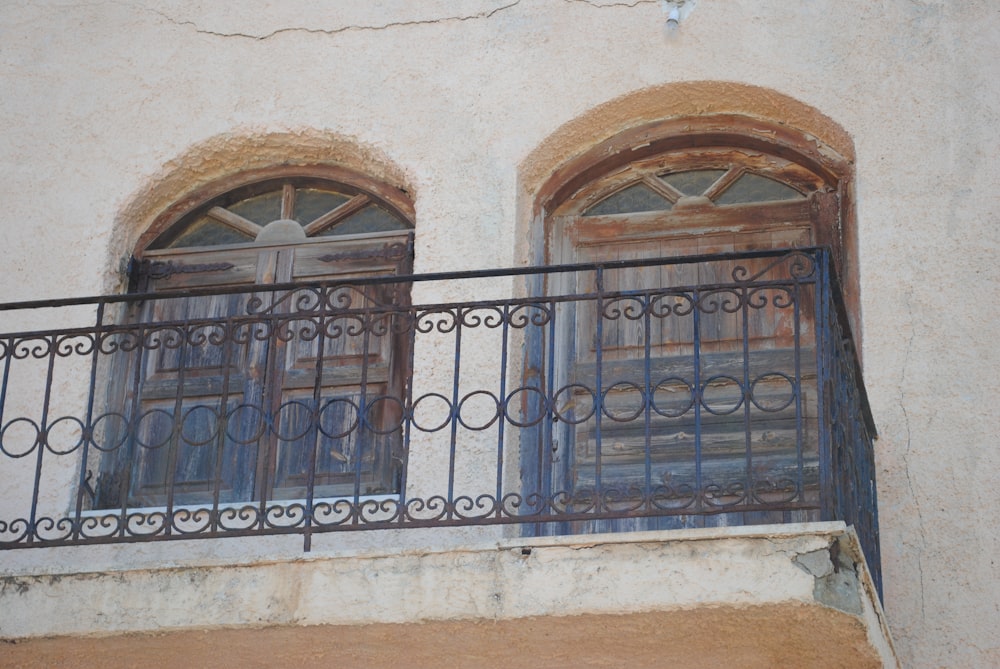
694, 182
261, 209
630, 200
208, 232
755, 188
311, 203
370, 219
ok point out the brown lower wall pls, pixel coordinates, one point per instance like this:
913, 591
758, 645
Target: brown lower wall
750, 637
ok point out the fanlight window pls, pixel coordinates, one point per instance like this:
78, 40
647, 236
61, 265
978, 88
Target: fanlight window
663, 192
321, 209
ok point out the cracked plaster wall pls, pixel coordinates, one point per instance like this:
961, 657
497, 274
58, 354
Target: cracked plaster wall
101, 98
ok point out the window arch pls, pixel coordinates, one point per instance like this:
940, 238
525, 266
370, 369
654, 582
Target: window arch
244, 391
748, 151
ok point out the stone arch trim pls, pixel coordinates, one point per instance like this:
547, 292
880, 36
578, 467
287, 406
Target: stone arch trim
679, 101
650, 139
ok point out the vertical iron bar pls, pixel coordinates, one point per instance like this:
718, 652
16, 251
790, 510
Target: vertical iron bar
271, 435
453, 418
545, 451
42, 439
222, 425
366, 431
824, 354
504, 342
599, 392
177, 434
8, 356
413, 317
131, 458
314, 432
697, 397
748, 495
87, 435
797, 366
648, 393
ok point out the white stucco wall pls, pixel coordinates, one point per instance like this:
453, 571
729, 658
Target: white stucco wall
102, 103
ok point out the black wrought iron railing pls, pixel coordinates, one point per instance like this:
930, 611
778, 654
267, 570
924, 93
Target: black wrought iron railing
682, 392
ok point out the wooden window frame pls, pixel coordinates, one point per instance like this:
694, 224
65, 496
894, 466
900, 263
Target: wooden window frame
193, 267
638, 155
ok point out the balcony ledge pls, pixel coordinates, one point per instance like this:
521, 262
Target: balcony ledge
775, 595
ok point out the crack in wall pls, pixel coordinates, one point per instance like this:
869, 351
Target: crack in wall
906, 449
781, 548
603, 5
483, 15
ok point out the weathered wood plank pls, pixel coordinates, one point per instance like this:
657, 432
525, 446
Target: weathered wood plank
725, 363
235, 221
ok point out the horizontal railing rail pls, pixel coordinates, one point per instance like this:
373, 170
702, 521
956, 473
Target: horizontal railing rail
634, 394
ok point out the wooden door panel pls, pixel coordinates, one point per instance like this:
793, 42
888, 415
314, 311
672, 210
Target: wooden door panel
372, 255
643, 446
353, 339
195, 371
189, 450
672, 429
344, 437
359, 334
177, 269
720, 314
192, 335
218, 412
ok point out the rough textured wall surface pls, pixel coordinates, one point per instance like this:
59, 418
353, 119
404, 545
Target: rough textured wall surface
109, 108
759, 637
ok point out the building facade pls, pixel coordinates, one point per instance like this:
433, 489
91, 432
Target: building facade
672, 404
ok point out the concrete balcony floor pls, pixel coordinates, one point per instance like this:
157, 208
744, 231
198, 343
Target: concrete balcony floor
765, 596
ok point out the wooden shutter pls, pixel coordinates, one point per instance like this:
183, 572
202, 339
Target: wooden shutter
648, 215
215, 407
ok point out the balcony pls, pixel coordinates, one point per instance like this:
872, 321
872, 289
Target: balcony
705, 394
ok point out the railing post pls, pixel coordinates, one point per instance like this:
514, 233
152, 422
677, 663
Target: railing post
599, 393
546, 465
501, 394
87, 435
824, 395
697, 398
317, 401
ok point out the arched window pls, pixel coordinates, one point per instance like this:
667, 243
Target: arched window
237, 391
704, 369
